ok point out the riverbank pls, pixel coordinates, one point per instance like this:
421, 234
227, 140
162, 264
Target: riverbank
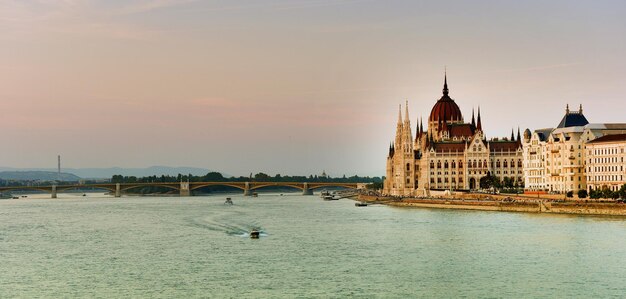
506, 204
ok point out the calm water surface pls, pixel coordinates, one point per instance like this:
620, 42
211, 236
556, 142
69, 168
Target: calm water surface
98, 246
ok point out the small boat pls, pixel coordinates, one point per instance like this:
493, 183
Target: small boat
228, 201
16, 197
255, 194
254, 234
84, 194
361, 204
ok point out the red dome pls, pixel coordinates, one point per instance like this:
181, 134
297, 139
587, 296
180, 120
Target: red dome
445, 109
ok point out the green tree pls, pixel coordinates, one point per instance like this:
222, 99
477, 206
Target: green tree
582, 193
622, 192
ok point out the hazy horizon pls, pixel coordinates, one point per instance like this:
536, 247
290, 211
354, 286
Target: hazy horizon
290, 87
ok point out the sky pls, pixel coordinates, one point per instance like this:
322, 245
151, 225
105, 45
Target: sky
291, 87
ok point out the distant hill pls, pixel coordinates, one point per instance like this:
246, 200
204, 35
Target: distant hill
107, 173
37, 176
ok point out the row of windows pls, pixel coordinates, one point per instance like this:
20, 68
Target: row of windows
474, 164
606, 160
606, 151
445, 180
605, 168
604, 178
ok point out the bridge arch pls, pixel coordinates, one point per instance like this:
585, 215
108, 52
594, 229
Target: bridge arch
296, 186
24, 188
129, 187
61, 188
346, 186
227, 184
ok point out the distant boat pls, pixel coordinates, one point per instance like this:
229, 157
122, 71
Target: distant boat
84, 194
228, 201
255, 194
361, 204
254, 234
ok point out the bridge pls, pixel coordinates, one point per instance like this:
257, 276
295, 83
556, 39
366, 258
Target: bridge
184, 188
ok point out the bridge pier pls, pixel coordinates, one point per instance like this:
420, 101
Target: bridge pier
246, 190
118, 190
54, 191
184, 189
306, 190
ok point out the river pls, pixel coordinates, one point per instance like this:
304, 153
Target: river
100, 246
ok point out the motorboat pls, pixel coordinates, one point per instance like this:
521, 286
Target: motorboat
254, 234
255, 194
360, 204
228, 201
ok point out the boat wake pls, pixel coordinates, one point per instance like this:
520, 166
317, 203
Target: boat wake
229, 224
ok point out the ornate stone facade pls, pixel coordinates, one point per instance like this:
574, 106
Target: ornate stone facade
554, 158
449, 155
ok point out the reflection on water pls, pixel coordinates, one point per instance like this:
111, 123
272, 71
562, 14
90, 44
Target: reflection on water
98, 246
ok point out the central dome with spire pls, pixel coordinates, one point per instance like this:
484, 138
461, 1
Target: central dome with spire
445, 109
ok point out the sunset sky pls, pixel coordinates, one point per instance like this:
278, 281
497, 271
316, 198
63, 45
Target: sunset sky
290, 87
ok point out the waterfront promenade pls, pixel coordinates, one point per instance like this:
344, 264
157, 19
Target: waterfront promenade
506, 203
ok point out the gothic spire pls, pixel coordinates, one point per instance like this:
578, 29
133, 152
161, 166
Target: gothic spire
406, 111
580, 110
512, 135
479, 125
445, 83
421, 125
473, 120
519, 136
567, 109
400, 114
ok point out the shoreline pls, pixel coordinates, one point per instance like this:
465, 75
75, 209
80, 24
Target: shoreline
523, 205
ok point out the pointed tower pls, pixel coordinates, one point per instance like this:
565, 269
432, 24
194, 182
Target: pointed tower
479, 125
445, 83
398, 141
519, 136
473, 120
407, 135
512, 135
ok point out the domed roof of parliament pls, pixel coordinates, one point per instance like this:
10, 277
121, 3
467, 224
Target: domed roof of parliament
445, 109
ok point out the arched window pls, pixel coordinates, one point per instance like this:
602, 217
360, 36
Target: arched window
519, 163
498, 163
438, 164
460, 164
506, 164
480, 164
408, 166
512, 163
474, 164
432, 164
453, 164
485, 163
445, 164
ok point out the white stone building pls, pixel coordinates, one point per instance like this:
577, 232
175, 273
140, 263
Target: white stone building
606, 162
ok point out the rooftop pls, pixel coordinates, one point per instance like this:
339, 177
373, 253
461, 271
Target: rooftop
609, 138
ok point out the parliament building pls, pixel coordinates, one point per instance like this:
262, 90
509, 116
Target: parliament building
449, 154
